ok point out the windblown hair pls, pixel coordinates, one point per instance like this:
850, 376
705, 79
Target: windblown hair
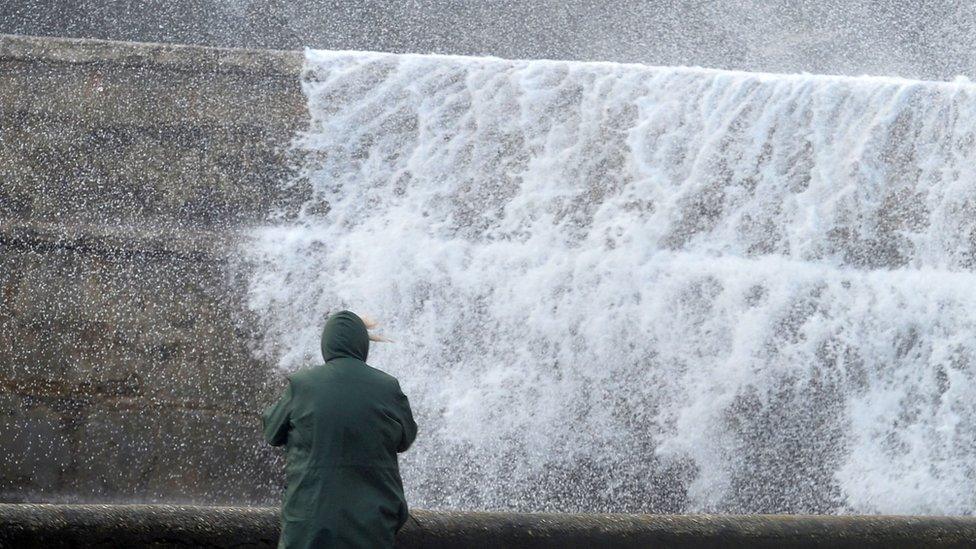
372, 325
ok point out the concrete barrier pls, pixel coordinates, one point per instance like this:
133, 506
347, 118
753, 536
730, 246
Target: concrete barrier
118, 338
69, 526
128, 173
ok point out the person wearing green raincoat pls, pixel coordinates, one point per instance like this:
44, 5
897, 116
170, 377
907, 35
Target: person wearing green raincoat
342, 425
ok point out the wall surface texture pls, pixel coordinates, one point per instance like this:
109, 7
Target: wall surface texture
110, 526
127, 173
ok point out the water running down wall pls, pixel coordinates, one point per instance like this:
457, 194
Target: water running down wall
625, 288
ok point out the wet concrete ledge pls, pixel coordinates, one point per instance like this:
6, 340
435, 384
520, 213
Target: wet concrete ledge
283, 64
108, 526
101, 240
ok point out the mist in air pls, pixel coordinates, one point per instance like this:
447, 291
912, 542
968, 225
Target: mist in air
624, 288
913, 39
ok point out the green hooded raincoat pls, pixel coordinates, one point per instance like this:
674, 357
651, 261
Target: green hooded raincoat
342, 425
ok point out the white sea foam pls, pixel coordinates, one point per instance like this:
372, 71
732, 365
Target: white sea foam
616, 287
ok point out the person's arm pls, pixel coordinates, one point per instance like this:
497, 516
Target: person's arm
277, 420
407, 424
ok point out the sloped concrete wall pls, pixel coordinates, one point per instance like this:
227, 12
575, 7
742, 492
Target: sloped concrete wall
127, 173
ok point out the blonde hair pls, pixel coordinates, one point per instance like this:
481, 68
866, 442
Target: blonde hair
372, 325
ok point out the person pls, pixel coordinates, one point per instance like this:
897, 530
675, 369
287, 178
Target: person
342, 424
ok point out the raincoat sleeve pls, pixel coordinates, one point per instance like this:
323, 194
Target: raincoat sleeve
277, 419
407, 424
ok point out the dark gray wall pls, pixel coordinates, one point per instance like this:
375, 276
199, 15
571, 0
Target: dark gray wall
50, 526
127, 173
912, 38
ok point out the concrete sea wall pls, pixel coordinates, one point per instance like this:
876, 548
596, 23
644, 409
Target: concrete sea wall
69, 526
126, 172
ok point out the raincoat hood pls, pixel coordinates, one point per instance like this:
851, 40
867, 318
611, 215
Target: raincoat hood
345, 336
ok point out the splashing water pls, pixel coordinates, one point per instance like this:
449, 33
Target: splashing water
627, 288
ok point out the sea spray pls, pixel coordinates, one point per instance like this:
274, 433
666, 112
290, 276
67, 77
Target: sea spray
626, 288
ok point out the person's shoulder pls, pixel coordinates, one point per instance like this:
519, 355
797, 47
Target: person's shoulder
306, 375
382, 377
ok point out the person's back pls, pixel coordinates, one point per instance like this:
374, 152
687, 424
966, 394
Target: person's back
343, 424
